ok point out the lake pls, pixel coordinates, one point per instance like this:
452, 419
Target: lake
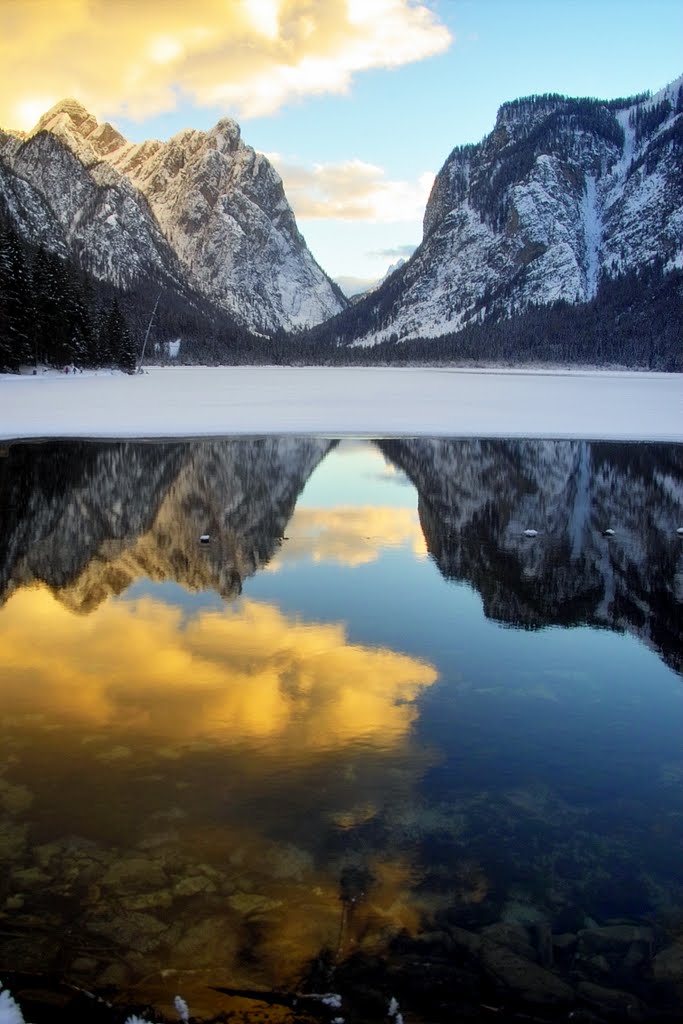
392, 719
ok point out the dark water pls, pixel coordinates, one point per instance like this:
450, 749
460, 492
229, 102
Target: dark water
368, 714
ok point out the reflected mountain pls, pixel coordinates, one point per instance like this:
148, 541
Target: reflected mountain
90, 519
477, 498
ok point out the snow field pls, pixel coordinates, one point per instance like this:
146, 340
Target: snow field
345, 401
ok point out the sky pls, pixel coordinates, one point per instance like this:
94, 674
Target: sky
357, 102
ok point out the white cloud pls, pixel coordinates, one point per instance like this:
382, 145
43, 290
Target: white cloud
249, 56
352, 190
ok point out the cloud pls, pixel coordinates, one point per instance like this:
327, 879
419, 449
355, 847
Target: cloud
349, 535
395, 252
355, 285
250, 676
248, 57
352, 190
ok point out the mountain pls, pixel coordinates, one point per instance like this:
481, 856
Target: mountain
89, 212
562, 197
202, 210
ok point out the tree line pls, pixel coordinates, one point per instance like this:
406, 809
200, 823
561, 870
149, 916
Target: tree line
55, 314
50, 314
633, 320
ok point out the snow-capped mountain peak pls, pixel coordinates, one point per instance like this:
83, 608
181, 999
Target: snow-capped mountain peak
560, 196
217, 206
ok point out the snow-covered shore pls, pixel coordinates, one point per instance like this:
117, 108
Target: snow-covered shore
343, 401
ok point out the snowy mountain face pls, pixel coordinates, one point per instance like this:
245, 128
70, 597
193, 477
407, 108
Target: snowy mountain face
90, 212
560, 195
202, 205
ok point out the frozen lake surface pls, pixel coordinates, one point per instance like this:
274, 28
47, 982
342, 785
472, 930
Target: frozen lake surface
343, 401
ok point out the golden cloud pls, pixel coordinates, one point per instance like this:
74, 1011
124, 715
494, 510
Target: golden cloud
352, 190
246, 675
247, 56
353, 535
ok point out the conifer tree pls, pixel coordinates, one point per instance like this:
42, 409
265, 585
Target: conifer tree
119, 341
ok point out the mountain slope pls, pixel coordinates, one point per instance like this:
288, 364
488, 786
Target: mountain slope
203, 208
90, 212
561, 196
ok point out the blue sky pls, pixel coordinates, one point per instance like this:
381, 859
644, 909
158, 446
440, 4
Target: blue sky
356, 141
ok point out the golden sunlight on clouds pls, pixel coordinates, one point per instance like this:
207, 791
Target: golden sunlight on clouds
352, 190
249, 56
246, 675
352, 536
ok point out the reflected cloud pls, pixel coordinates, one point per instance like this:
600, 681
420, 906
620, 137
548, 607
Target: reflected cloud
247, 56
244, 675
350, 536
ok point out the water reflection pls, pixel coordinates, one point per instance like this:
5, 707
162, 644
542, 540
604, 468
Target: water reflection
247, 674
313, 748
476, 499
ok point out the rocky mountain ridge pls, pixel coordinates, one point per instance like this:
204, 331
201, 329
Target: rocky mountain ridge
560, 196
202, 208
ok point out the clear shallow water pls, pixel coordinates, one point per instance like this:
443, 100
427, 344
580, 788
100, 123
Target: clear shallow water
368, 711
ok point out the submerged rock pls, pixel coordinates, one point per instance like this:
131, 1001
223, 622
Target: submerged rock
514, 936
612, 1000
135, 874
615, 938
668, 965
533, 983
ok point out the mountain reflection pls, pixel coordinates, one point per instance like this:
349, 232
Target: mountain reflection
476, 498
88, 520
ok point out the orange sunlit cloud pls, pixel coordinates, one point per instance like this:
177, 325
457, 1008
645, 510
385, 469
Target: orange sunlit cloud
353, 535
247, 56
352, 190
249, 674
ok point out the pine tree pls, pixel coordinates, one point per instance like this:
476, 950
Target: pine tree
119, 341
51, 331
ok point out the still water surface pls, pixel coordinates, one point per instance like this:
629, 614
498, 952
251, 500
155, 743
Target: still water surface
368, 710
